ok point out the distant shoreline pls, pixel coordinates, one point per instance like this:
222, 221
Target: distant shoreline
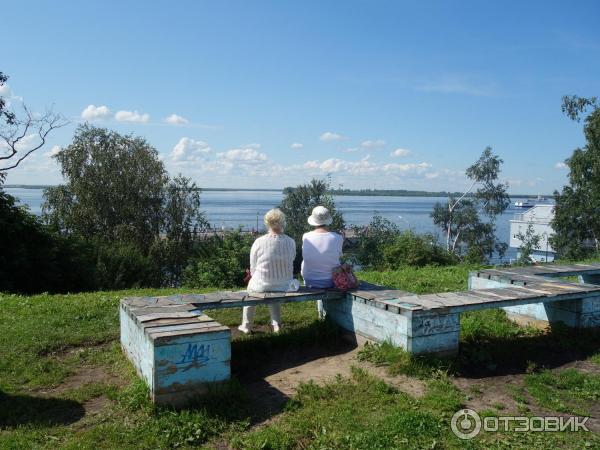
342, 192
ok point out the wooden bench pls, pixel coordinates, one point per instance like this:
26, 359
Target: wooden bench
178, 350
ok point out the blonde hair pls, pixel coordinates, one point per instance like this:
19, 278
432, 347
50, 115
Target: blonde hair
275, 220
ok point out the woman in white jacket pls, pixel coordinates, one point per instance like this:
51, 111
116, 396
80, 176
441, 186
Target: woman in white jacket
272, 268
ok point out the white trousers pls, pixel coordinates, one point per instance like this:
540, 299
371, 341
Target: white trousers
320, 310
249, 311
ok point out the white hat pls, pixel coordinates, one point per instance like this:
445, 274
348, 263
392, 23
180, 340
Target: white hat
320, 216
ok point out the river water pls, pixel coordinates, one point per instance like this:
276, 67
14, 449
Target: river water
231, 209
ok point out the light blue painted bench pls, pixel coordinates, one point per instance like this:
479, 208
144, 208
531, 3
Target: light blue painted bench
178, 350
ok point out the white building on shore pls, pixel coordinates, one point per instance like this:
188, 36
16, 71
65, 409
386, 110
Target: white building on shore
539, 216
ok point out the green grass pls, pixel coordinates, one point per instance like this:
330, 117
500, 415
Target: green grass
358, 412
423, 280
45, 339
568, 391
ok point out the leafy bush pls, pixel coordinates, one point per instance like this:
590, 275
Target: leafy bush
221, 263
371, 240
382, 245
33, 259
121, 265
413, 249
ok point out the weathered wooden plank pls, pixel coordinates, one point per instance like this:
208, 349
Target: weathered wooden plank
175, 321
164, 308
397, 304
425, 301
179, 334
185, 328
166, 315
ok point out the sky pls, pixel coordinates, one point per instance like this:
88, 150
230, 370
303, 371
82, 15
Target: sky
268, 94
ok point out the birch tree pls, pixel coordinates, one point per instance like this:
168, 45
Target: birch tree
576, 224
468, 220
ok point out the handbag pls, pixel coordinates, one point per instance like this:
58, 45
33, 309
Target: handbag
247, 276
344, 278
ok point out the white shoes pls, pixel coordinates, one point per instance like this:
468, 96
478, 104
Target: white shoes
244, 330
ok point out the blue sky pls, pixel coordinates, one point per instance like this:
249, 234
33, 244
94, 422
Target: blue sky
379, 94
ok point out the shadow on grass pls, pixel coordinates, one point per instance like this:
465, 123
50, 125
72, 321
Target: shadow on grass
485, 355
19, 409
261, 355
519, 354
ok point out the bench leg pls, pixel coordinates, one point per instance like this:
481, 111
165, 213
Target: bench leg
581, 313
415, 333
434, 333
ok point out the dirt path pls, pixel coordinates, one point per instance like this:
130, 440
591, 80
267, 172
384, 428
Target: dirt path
274, 384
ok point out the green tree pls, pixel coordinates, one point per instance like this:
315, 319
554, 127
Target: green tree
118, 194
6, 116
576, 224
114, 188
371, 240
182, 222
468, 234
530, 241
33, 259
221, 263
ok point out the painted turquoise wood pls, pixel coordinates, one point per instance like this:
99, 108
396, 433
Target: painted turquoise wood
579, 311
178, 353
413, 331
368, 321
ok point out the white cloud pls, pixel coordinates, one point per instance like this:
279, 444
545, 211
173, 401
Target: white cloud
244, 155
254, 145
560, 165
362, 167
373, 143
132, 116
514, 182
174, 119
93, 112
53, 151
399, 152
459, 84
330, 136
351, 150
297, 145
189, 150
5, 91
418, 167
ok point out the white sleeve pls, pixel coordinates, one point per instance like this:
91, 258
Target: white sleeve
253, 256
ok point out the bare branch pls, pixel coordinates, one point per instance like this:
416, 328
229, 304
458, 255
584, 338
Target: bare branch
14, 134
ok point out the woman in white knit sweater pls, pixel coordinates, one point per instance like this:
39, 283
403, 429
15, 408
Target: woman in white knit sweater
272, 268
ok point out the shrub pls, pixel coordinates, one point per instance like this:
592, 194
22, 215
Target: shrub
382, 245
34, 259
121, 265
371, 240
221, 263
413, 249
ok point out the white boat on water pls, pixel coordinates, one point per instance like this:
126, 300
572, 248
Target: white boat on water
531, 202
